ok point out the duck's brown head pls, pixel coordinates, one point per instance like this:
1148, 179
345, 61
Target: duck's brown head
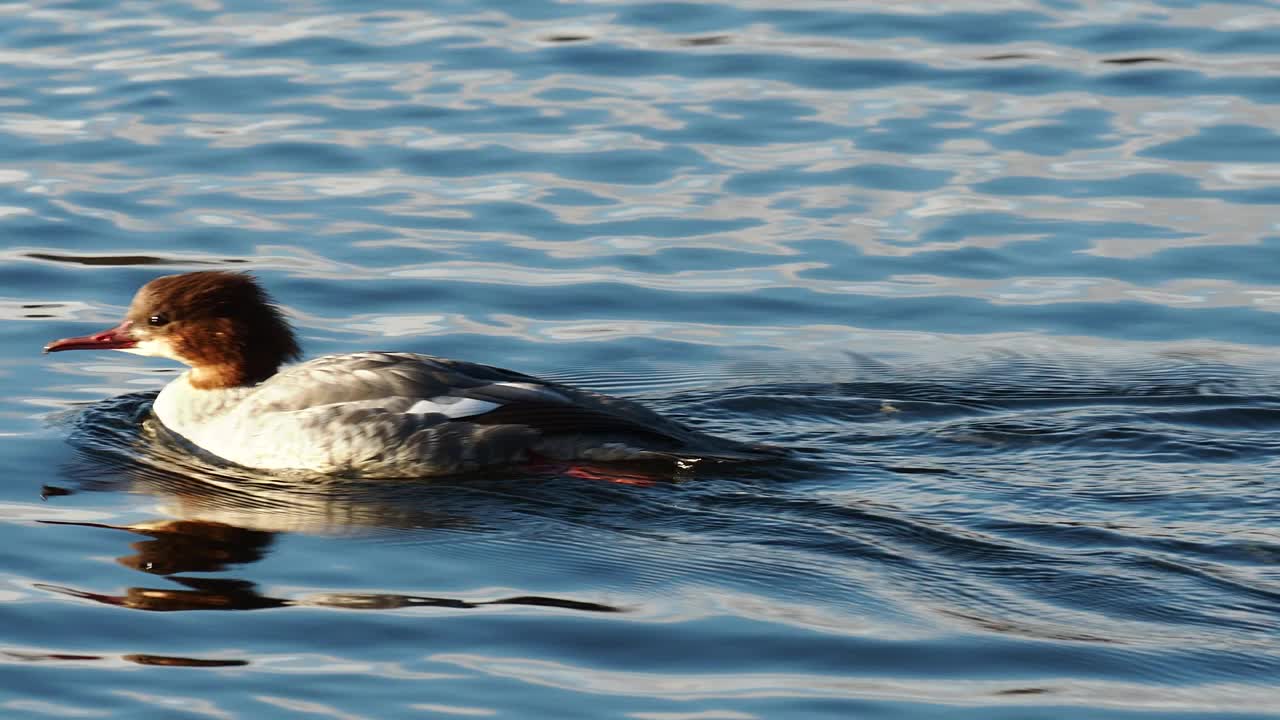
222, 324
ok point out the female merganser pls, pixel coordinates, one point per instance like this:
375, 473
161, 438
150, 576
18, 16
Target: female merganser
371, 414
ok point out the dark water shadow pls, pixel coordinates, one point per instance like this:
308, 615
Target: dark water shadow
996, 487
226, 518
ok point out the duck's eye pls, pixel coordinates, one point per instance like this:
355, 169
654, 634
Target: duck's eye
157, 320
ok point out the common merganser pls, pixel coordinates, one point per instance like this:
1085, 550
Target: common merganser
368, 414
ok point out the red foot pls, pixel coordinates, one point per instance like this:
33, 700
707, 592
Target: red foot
613, 475
591, 472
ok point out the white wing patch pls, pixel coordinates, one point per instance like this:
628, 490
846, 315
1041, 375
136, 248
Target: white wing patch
540, 389
454, 407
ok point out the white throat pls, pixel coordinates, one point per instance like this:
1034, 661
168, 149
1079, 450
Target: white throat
187, 410
152, 347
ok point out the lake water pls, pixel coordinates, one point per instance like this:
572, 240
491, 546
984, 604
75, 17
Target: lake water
1002, 274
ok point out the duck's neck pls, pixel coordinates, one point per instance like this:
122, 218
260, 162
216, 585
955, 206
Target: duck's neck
226, 376
185, 408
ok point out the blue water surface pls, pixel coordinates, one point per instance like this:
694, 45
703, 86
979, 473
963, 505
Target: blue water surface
1003, 276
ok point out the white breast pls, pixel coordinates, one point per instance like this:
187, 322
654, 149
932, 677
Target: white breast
248, 427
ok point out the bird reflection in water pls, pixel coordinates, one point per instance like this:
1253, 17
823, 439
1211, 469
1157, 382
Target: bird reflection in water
223, 518
136, 658
183, 546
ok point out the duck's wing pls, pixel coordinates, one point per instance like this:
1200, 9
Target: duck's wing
368, 376
455, 413
440, 389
